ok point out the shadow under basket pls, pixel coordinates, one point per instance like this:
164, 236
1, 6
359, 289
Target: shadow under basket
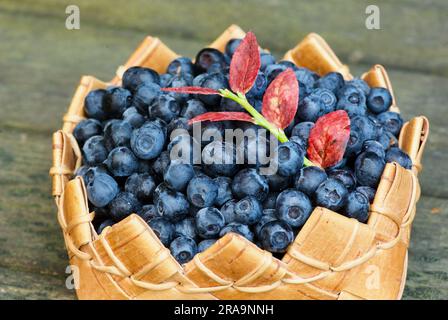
333, 257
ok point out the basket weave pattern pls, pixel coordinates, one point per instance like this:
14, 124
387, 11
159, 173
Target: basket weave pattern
333, 257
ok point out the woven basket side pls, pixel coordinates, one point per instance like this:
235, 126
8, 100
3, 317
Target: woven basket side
314, 53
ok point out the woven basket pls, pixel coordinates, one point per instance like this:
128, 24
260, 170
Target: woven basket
333, 257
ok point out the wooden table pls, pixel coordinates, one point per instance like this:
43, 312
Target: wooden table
41, 63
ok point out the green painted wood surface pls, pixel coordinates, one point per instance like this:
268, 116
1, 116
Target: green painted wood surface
41, 63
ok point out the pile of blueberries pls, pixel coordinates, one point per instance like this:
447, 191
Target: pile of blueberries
126, 143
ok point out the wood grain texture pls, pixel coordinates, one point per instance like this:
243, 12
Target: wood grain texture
40, 71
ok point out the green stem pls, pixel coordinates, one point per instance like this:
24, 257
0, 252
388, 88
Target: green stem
259, 119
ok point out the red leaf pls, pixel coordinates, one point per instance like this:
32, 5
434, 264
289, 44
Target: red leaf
192, 90
222, 116
281, 98
244, 65
328, 138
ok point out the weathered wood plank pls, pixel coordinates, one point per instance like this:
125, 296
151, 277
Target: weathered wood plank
411, 35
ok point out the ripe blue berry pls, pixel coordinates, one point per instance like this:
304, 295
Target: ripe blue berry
269, 202
248, 182
207, 57
121, 162
183, 249
93, 105
277, 182
302, 130
172, 205
248, 210
276, 236
379, 100
293, 207
308, 179
86, 129
141, 185
259, 87
163, 229
117, 134
165, 108
238, 228
368, 192
391, 121
289, 158
224, 190
186, 228
193, 108
94, 151
137, 76
123, 205
368, 169
345, 176
145, 95
331, 194
148, 212
357, 206
375, 147
116, 101
148, 141
228, 211
266, 59
205, 244
352, 100
231, 46
180, 65
395, 154
133, 117
209, 222
202, 191
219, 158
101, 189
332, 81
178, 174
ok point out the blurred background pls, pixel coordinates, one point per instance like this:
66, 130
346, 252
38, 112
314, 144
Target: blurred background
41, 62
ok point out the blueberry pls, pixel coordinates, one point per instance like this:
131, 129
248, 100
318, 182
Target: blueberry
165, 79
224, 190
379, 100
133, 117
360, 85
237, 228
256, 149
93, 105
141, 185
117, 134
273, 70
116, 101
137, 76
214, 81
121, 162
144, 96
178, 174
186, 228
293, 207
89, 174
289, 65
269, 202
172, 205
180, 65
391, 121
387, 140
231, 46
366, 125
259, 87
123, 205
207, 57
302, 130
368, 169
357, 206
212, 131
205, 244
163, 229
180, 124
209, 222
345, 176
375, 147
106, 223
101, 189
362, 128
161, 188
277, 182
94, 151
306, 77
248, 210
368, 192
228, 211
183, 249
219, 158
265, 218
148, 212
308, 179
179, 81
199, 79
248, 182
332, 81
289, 158
352, 100
331, 194
148, 141
165, 108
266, 59
395, 154
202, 191
276, 236
324, 97
309, 109
159, 165
86, 129
193, 108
